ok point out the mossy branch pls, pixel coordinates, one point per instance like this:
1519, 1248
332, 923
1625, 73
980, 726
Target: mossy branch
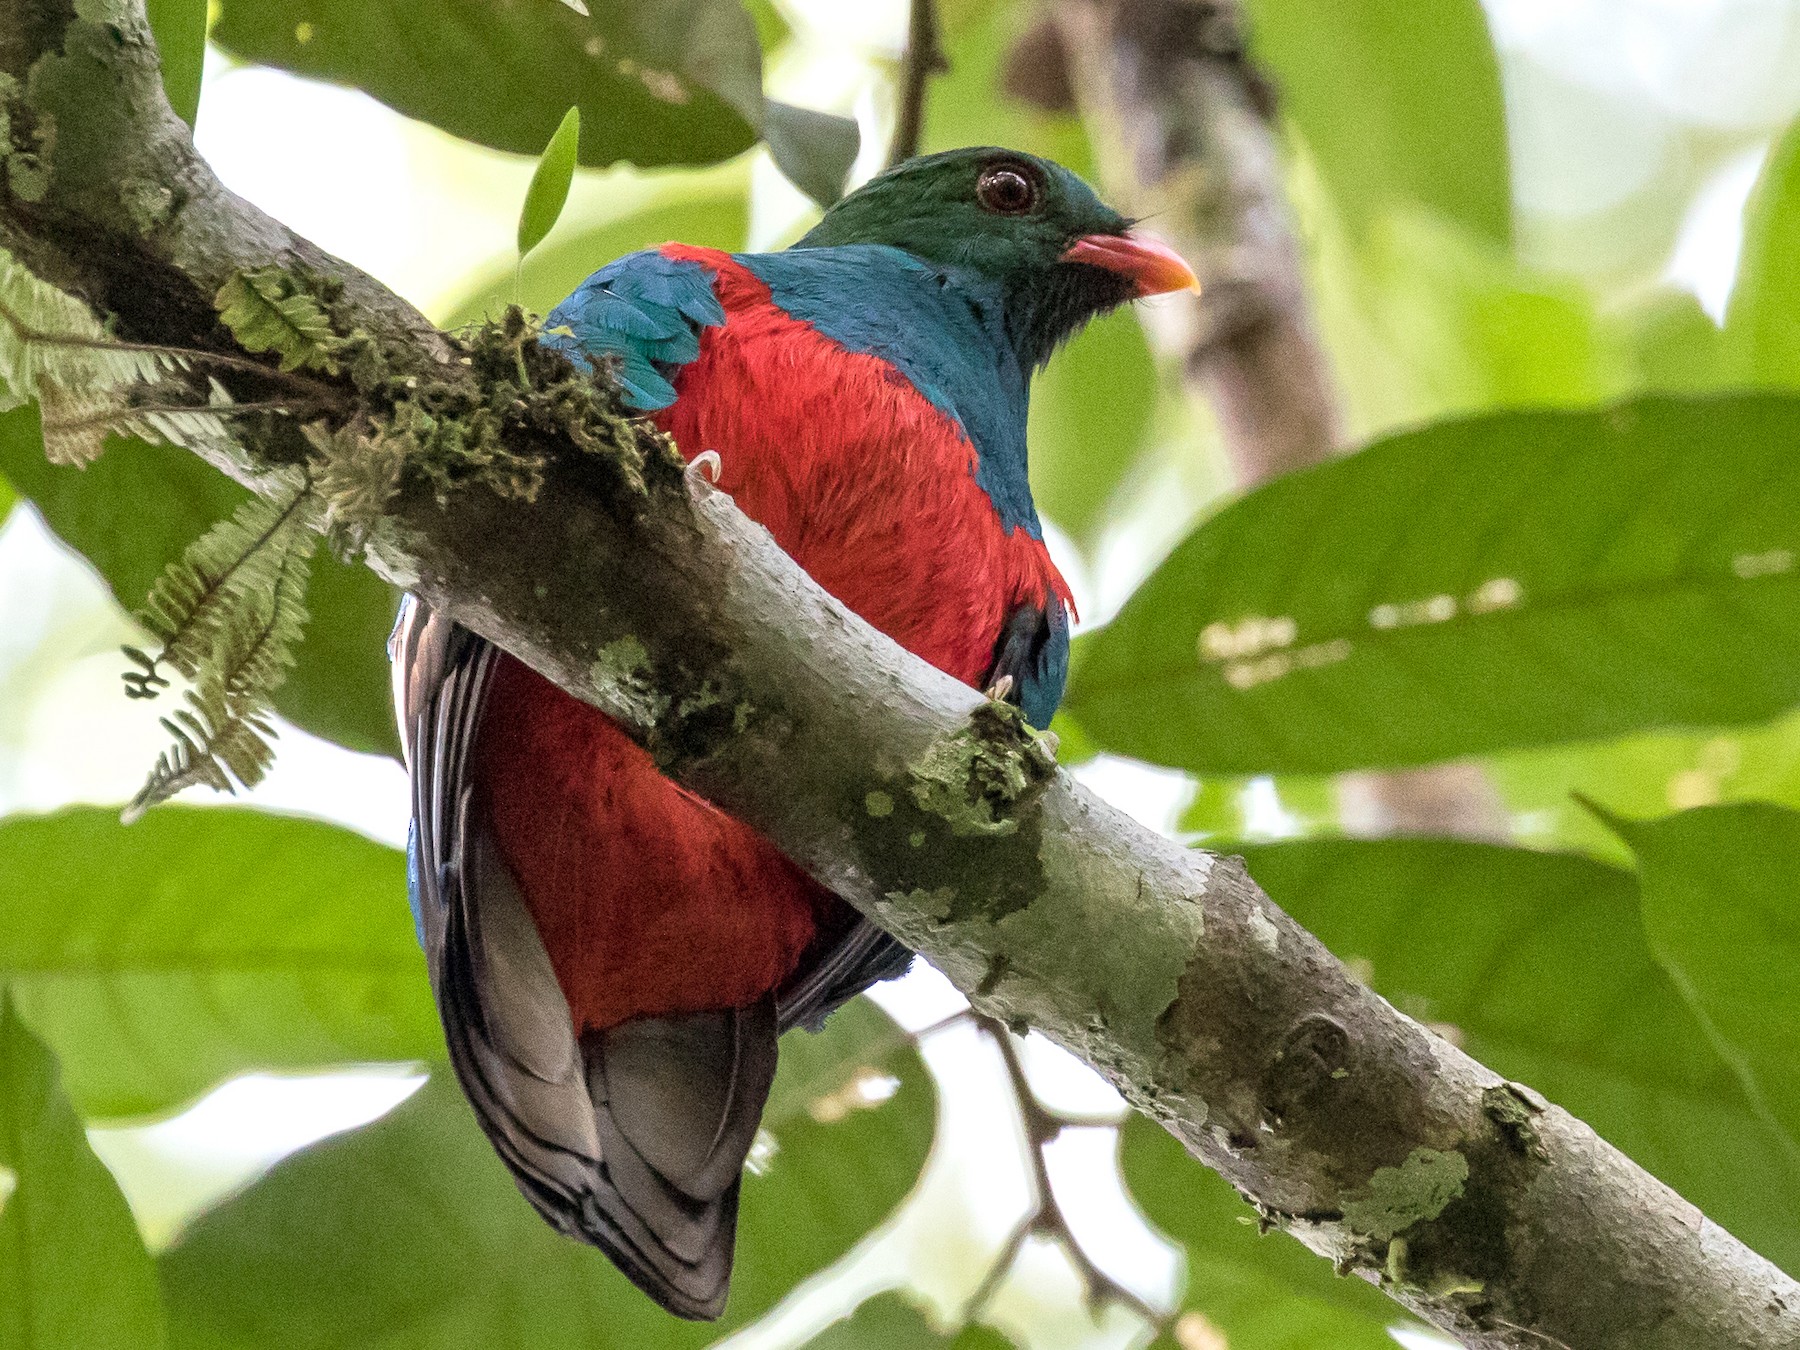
545, 519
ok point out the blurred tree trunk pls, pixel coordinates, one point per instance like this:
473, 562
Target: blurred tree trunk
1169, 83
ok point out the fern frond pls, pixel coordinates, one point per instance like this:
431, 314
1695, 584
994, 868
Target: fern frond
222, 737
212, 746
54, 350
75, 430
267, 312
235, 565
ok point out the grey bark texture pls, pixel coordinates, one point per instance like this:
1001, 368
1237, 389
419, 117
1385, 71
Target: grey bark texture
1477, 1205
1171, 82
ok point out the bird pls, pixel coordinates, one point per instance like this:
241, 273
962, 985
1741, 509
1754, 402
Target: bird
614, 958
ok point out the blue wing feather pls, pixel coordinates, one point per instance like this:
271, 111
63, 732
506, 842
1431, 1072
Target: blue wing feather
645, 311
1033, 648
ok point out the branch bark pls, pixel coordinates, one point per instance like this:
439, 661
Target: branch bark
924, 58
1172, 83
1483, 1209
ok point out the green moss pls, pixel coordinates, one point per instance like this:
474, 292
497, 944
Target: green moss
977, 778
1515, 1116
933, 904
22, 142
149, 204
623, 669
1396, 1198
879, 804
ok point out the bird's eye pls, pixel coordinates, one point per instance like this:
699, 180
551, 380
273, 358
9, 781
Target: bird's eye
1006, 190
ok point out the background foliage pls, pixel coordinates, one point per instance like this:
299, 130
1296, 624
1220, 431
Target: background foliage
1554, 254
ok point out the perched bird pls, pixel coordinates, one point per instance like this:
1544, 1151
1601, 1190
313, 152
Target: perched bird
613, 957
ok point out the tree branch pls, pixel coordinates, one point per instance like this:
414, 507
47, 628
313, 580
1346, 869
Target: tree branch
1494, 1215
924, 58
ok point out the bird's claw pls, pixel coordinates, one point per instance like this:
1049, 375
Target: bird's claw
704, 468
1000, 688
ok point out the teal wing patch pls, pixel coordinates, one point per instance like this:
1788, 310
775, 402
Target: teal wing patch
645, 312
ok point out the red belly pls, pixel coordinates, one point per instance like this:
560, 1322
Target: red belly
649, 900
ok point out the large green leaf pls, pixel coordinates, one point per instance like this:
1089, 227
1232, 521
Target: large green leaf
657, 81
715, 220
1510, 580
1537, 962
410, 1233
201, 942
1265, 1292
1396, 104
890, 1322
1426, 319
136, 508
1645, 775
1762, 322
1720, 908
180, 30
1668, 344
73, 1271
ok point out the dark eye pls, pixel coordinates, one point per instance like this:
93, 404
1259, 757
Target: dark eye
1006, 190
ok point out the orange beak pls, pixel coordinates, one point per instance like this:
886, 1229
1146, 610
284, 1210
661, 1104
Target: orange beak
1148, 262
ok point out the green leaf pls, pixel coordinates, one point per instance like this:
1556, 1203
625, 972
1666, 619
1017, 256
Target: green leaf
889, 1322
1718, 907
1646, 775
180, 30
1427, 319
1671, 345
550, 183
1394, 107
7, 499
815, 150
1537, 964
1762, 320
1265, 1292
410, 1232
140, 506
202, 943
74, 1274
1516, 579
550, 273
266, 312
657, 81
1090, 418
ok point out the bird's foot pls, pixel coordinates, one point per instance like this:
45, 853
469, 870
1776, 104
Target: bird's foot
703, 471
1000, 689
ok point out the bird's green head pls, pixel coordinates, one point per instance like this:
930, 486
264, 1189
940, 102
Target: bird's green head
1033, 231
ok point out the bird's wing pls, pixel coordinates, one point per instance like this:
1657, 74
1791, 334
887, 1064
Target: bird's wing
863, 956
645, 312
1033, 650
632, 1139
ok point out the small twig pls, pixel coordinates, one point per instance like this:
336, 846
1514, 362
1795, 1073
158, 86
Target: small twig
956, 1018
1046, 1218
924, 58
